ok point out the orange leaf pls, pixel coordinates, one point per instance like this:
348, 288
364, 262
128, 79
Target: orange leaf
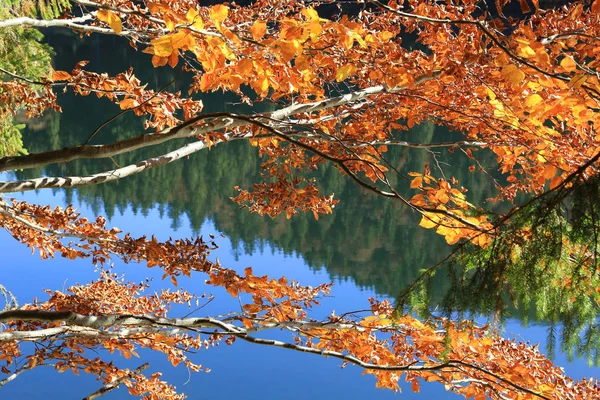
416, 183
127, 104
174, 58
258, 30
245, 66
549, 171
513, 74
218, 14
415, 386
158, 61
554, 182
111, 18
60, 76
247, 323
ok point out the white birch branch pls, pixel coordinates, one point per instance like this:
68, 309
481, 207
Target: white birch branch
73, 23
185, 130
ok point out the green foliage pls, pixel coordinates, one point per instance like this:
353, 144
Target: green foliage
46, 9
23, 53
552, 271
10, 138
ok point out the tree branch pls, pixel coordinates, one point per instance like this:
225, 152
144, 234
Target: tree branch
73, 23
191, 128
187, 129
87, 326
116, 383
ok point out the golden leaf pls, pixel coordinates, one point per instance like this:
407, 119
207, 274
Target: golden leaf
427, 222
314, 29
386, 35
344, 72
577, 80
533, 100
170, 23
289, 49
111, 19
258, 30
162, 46
193, 18
218, 14
311, 14
513, 74
568, 64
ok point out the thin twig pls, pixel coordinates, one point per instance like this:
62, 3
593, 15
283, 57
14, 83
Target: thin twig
115, 384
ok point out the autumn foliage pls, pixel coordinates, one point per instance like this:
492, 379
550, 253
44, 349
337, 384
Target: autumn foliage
345, 87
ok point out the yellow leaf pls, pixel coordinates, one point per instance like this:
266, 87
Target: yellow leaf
258, 30
314, 30
60, 76
218, 14
193, 18
170, 22
568, 64
111, 19
427, 222
533, 100
311, 14
487, 341
490, 93
163, 46
386, 35
344, 72
264, 84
